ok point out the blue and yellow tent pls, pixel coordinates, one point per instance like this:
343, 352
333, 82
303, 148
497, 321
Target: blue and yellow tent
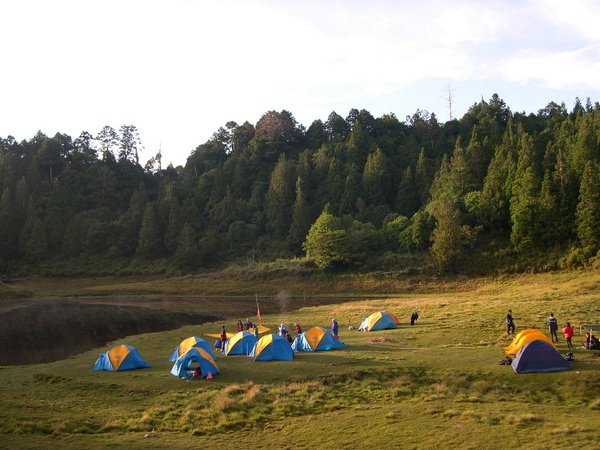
539, 356
381, 320
272, 347
316, 339
189, 343
240, 343
121, 357
183, 366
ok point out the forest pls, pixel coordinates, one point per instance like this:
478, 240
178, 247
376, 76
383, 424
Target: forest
494, 191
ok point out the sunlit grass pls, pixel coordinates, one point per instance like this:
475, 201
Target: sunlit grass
436, 381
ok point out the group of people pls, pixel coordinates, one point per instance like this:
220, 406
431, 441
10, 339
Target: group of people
590, 341
281, 331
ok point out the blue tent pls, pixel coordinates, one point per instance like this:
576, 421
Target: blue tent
240, 343
539, 356
191, 342
381, 320
121, 357
316, 339
184, 366
272, 347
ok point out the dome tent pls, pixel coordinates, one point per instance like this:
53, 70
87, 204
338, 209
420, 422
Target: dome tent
381, 320
539, 356
189, 343
520, 335
240, 343
316, 339
272, 347
525, 339
183, 365
119, 358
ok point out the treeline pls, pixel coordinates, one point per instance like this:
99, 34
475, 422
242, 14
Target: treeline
347, 192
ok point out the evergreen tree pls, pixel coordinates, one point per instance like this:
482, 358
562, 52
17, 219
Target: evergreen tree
377, 180
351, 191
187, 248
149, 244
407, 198
37, 244
447, 247
588, 209
280, 198
300, 220
8, 230
526, 212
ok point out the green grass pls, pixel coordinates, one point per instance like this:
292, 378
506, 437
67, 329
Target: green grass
436, 384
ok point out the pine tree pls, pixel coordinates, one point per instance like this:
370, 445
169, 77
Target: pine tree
447, 247
280, 198
588, 209
300, 219
377, 180
8, 230
37, 244
149, 244
187, 247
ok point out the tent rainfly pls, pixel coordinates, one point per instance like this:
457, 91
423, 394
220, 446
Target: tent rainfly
240, 343
381, 320
119, 358
272, 347
183, 366
539, 356
189, 343
315, 339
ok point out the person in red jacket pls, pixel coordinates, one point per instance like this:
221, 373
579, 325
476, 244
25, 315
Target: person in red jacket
568, 332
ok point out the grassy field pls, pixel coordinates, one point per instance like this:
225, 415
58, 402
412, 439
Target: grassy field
435, 384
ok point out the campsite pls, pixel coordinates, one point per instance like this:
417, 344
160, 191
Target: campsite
436, 383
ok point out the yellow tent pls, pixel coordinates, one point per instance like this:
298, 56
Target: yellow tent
528, 338
519, 335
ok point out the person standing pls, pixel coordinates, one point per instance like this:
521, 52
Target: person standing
335, 328
568, 332
240, 326
414, 317
248, 324
553, 327
223, 337
510, 324
298, 328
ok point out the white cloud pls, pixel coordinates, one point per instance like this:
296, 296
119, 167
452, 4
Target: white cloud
179, 69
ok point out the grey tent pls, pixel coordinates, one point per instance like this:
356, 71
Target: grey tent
539, 356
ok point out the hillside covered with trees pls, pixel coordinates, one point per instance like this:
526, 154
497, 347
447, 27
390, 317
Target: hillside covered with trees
493, 190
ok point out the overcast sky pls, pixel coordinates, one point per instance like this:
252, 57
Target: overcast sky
180, 69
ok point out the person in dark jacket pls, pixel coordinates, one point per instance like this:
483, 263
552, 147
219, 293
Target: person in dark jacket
510, 324
553, 327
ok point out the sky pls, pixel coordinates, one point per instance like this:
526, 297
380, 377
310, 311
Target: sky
179, 70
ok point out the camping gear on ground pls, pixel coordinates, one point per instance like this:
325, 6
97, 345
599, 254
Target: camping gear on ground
539, 356
191, 342
183, 366
381, 320
240, 343
272, 347
529, 337
119, 358
316, 339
